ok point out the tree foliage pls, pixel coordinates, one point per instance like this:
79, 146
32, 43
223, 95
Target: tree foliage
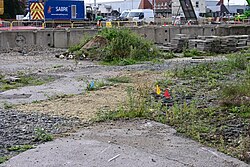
13, 8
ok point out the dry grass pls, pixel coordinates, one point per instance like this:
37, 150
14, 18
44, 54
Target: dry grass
87, 105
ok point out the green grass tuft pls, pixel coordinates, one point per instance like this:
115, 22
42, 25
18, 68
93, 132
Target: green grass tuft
23, 81
3, 159
122, 79
42, 135
20, 148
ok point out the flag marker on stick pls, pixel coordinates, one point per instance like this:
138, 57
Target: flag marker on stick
158, 90
167, 94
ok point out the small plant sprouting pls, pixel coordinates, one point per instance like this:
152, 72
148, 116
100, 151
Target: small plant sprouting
42, 135
7, 106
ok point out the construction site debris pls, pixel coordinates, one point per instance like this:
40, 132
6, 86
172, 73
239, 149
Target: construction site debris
215, 44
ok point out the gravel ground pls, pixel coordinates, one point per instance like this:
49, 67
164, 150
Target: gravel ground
18, 128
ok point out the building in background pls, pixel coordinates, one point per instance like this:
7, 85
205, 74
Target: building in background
236, 9
162, 7
220, 9
216, 8
209, 8
198, 5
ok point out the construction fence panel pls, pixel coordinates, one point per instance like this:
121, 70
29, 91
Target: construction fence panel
84, 24
5, 24
246, 21
27, 23
58, 24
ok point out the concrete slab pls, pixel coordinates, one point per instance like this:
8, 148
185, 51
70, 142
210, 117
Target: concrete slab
125, 143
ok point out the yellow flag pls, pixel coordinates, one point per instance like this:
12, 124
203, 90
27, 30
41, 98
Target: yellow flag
158, 90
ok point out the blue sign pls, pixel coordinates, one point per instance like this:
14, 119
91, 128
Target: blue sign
64, 10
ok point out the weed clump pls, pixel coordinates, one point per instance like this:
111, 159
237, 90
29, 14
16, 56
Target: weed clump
125, 44
237, 94
42, 135
239, 61
3, 159
123, 47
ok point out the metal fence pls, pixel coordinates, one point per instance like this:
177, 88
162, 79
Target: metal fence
14, 25
120, 24
58, 24
27, 23
5, 24
246, 21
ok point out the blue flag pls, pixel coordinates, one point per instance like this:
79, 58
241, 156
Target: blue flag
92, 84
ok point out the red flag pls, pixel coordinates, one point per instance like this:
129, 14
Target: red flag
167, 94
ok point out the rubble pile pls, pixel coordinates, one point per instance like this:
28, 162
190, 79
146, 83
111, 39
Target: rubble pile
179, 42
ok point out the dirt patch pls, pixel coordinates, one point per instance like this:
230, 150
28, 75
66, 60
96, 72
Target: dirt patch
96, 42
81, 106
86, 105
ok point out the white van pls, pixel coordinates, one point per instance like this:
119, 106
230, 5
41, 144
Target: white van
123, 16
27, 17
146, 15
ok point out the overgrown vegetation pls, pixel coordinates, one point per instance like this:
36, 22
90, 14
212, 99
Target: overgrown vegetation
210, 103
123, 47
125, 44
13, 8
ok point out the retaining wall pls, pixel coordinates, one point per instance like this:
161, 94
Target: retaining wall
64, 38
